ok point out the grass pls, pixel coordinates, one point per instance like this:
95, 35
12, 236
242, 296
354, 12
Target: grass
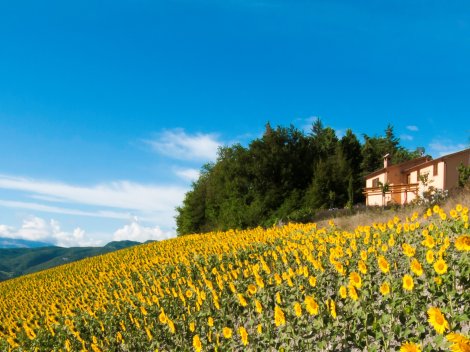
372, 215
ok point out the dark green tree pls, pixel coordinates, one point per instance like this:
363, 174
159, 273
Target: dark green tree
464, 175
283, 175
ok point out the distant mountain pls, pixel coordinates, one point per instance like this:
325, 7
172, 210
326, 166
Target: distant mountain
18, 243
20, 261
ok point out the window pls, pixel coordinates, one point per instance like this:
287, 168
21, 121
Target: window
434, 169
375, 182
408, 178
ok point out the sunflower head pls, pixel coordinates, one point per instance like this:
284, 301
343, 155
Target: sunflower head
385, 288
440, 266
437, 320
408, 283
410, 347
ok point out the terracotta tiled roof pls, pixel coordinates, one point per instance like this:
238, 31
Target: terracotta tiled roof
433, 161
402, 166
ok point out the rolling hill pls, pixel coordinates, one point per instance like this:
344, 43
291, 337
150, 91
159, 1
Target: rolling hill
6, 242
20, 261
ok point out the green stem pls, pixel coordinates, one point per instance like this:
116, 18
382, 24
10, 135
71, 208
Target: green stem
367, 335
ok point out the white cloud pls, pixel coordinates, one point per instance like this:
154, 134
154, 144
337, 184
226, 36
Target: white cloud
406, 137
34, 228
136, 232
412, 128
444, 147
340, 133
119, 194
188, 174
59, 210
178, 144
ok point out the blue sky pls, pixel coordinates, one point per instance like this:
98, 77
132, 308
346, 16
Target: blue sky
108, 109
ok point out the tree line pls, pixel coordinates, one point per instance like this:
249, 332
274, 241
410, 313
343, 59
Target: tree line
285, 175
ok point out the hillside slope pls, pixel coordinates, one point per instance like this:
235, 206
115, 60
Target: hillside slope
402, 284
6, 242
15, 262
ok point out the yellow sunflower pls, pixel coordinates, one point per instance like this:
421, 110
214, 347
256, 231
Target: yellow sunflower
437, 320
343, 292
242, 300
362, 267
462, 243
353, 293
429, 242
416, 267
440, 266
312, 281
383, 264
330, 304
297, 309
408, 250
460, 343
251, 289
197, 343
410, 347
279, 318
227, 332
311, 305
258, 307
355, 280
408, 283
243, 335
210, 321
385, 288
430, 256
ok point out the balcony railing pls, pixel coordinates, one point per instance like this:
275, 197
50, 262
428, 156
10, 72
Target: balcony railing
403, 189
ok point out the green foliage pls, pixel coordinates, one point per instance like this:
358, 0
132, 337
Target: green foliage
375, 148
431, 195
284, 176
464, 175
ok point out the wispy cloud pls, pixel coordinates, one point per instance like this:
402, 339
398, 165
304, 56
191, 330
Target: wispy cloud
67, 211
412, 128
188, 174
114, 200
444, 147
119, 194
406, 137
178, 144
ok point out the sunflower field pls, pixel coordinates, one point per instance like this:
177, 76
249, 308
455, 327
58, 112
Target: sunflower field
402, 285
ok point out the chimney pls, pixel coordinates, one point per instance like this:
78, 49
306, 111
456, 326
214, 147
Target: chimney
387, 162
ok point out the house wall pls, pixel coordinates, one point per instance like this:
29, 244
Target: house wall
381, 178
414, 177
395, 176
410, 197
438, 180
375, 199
431, 182
397, 198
